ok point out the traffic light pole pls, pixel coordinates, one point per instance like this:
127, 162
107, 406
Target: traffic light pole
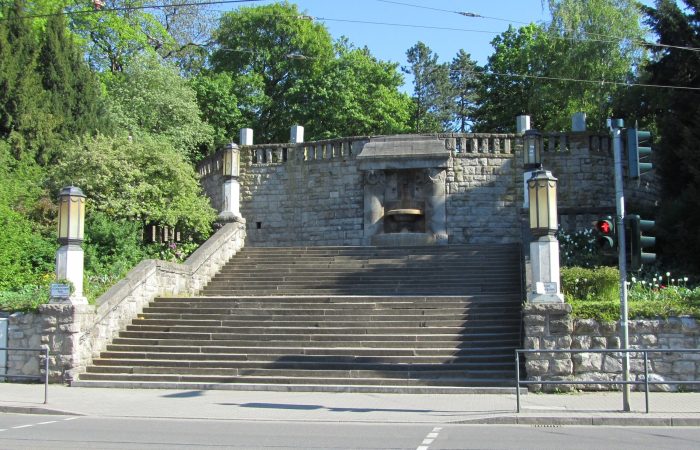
616, 130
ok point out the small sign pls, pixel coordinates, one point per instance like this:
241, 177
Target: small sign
550, 288
59, 290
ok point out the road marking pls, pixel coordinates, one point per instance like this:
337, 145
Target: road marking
429, 439
46, 423
22, 426
70, 418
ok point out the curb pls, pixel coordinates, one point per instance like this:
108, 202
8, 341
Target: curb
35, 410
585, 421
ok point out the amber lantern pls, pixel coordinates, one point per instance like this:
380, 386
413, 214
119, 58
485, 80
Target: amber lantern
71, 215
542, 192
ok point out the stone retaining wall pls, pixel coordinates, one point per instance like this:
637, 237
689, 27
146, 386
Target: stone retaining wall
77, 333
550, 326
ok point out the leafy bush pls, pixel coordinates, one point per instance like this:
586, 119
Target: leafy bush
594, 294
584, 284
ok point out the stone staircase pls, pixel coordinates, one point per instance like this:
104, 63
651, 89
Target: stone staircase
373, 319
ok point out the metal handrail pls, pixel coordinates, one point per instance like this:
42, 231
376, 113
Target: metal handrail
45, 351
645, 382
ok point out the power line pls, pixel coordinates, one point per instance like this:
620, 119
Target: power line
609, 38
128, 8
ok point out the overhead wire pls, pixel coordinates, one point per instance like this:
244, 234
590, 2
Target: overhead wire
540, 77
608, 38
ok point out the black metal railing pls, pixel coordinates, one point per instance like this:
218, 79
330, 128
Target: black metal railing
37, 377
645, 382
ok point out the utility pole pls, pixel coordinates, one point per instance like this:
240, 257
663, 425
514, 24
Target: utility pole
616, 130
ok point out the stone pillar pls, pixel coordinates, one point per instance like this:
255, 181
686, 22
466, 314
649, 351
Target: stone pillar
544, 260
522, 124
548, 327
435, 214
578, 122
246, 136
69, 266
3, 343
375, 181
296, 134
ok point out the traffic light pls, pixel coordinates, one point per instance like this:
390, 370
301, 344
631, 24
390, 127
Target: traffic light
606, 238
638, 152
638, 241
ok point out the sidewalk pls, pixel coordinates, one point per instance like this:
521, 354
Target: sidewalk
667, 409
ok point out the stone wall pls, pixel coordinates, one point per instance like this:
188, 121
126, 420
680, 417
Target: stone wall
311, 193
550, 326
75, 334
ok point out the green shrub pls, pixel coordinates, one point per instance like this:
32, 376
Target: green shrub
584, 284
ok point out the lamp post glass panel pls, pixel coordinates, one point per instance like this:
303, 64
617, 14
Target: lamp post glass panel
532, 149
232, 161
71, 215
542, 191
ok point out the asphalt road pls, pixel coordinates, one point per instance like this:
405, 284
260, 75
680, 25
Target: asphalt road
63, 432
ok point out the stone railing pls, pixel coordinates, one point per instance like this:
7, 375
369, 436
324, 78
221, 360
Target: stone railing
457, 143
550, 327
77, 333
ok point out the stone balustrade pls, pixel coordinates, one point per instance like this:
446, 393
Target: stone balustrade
77, 333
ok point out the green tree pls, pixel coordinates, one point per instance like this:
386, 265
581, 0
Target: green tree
357, 95
432, 92
464, 77
151, 98
143, 178
216, 97
575, 64
269, 51
23, 119
678, 160
74, 91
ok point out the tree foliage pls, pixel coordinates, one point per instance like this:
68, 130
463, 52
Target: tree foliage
432, 90
151, 98
144, 178
573, 65
678, 115
464, 77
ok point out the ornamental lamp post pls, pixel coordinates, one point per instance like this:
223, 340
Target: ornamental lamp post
69, 257
532, 150
231, 187
544, 249
542, 194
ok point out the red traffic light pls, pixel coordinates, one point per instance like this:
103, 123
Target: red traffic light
604, 226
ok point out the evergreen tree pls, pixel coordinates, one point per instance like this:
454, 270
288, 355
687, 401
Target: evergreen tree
72, 88
678, 159
432, 91
465, 82
23, 119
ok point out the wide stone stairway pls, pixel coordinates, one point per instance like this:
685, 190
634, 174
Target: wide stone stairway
374, 319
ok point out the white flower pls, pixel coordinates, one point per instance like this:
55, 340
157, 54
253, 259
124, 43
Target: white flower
634, 280
685, 279
668, 274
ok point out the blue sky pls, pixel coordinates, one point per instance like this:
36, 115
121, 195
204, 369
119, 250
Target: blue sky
389, 42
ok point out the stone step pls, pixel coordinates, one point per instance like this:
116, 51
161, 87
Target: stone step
504, 355
336, 311
353, 330
314, 323
260, 301
478, 379
306, 367
453, 342
357, 290
483, 348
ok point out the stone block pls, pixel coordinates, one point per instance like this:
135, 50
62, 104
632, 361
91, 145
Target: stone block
561, 367
587, 362
587, 327
581, 342
611, 364
537, 367
563, 326
684, 368
599, 342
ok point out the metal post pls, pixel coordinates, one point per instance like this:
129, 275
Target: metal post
517, 381
46, 375
617, 125
646, 381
